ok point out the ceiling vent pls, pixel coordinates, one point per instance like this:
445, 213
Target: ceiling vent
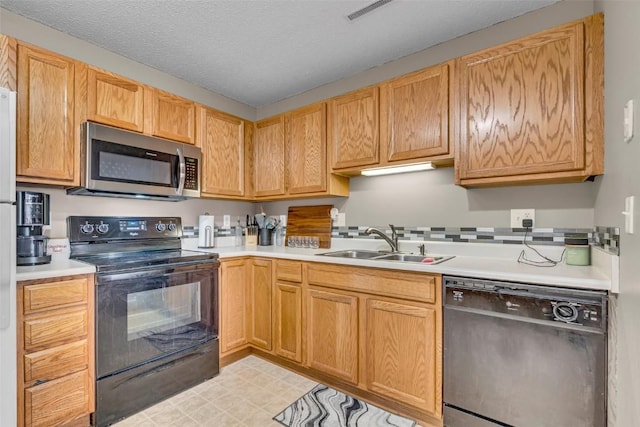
373, 6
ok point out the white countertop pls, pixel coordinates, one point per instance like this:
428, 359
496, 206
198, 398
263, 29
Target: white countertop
58, 267
488, 261
497, 263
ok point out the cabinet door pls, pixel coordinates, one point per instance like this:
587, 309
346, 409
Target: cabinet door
414, 115
46, 138
354, 129
173, 117
332, 333
402, 352
233, 297
221, 138
307, 149
260, 304
59, 401
288, 321
268, 157
521, 106
114, 100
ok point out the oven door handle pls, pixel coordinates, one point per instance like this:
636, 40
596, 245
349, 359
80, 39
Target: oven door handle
181, 172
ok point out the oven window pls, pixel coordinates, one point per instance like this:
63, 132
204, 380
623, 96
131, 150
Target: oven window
158, 310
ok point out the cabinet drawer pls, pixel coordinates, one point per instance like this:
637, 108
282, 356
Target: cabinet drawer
59, 328
56, 362
399, 284
45, 296
57, 402
289, 271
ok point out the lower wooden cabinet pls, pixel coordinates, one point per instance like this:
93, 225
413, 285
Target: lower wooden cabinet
56, 368
58, 401
332, 333
287, 308
233, 305
373, 331
401, 355
380, 330
260, 296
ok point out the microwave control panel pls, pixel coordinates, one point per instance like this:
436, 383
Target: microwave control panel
191, 172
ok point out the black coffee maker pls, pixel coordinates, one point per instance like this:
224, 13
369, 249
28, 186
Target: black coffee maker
32, 212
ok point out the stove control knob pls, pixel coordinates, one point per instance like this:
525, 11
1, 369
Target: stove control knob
86, 228
160, 227
103, 228
171, 227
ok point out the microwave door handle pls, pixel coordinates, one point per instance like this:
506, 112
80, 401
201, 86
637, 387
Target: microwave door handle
182, 172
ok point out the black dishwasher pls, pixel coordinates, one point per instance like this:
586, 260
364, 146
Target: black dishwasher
523, 355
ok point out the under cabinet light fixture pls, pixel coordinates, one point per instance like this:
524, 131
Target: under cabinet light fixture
416, 167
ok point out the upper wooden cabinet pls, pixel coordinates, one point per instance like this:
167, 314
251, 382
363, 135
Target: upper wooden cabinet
414, 116
290, 156
269, 158
531, 110
172, 117
221, 139
114, 100
306, 139
47, 143
354, 129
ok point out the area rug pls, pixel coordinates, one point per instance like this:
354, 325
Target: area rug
326, 407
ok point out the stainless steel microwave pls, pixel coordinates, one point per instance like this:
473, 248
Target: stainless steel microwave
121, 163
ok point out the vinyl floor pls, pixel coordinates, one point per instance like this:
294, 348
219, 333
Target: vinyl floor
247, 393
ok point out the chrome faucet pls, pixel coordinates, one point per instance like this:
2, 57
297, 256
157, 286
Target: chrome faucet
392, 241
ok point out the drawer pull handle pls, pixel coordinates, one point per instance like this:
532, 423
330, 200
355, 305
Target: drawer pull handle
41, 382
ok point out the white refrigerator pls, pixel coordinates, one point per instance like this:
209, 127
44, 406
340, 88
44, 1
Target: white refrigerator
8, 397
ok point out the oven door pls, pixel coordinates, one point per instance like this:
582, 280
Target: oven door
142, 316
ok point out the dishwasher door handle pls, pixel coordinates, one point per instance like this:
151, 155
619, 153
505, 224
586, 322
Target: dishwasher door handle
550, 323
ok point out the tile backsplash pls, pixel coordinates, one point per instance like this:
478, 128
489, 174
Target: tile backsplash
607, 238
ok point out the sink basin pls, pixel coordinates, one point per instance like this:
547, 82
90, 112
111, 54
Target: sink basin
380, 256
423, 259
353, 253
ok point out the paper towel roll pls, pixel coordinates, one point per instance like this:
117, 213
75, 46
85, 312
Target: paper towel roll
205, 231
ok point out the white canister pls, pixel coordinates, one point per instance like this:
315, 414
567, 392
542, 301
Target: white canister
205, 231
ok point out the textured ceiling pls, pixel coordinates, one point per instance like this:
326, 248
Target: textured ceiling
261, 51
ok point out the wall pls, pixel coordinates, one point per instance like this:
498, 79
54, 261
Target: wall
63, 206
56, 41
622, 82
430, 198
538, 20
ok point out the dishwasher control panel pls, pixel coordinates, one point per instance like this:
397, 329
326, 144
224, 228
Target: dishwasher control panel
543, 303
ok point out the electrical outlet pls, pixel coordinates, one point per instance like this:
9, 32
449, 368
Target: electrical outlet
226, 221
517, 215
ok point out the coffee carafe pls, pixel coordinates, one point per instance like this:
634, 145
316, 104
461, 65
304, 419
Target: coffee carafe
32, 212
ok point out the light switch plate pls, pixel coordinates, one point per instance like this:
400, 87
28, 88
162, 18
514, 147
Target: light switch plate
628, 120
341, 220
226, 221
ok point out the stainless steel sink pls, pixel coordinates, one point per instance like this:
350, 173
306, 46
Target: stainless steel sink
381, 256
353, 253
423, 259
